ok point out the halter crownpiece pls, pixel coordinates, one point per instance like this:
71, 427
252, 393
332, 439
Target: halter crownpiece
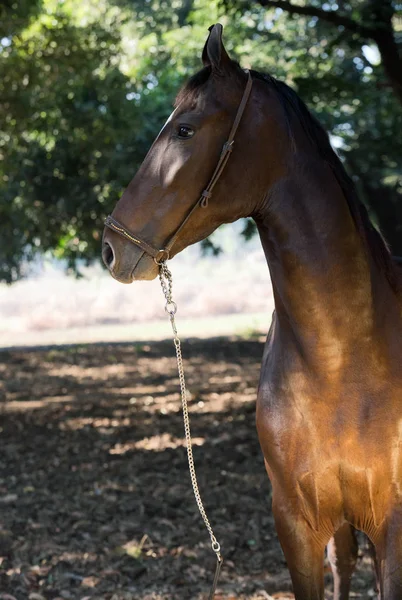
161, 255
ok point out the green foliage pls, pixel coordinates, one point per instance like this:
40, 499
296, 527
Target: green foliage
86, 84
64, 139
350, 95
16, 15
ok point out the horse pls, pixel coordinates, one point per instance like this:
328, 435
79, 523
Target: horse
329, 401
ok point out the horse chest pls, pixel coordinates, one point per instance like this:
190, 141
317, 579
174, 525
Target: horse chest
328, 458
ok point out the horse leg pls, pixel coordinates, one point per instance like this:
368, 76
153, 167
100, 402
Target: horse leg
342, 555
304, 552
389, 556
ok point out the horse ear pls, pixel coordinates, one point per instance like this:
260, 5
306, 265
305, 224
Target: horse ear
214, 54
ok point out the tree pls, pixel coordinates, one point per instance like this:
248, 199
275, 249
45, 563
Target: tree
326, 52
85, 86
64, 105
361, 21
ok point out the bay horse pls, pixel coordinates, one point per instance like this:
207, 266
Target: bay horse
329, 406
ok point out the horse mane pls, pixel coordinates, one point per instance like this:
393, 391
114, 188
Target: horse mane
374, 241
294, 107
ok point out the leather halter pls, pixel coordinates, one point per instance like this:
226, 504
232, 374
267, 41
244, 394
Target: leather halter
160, 256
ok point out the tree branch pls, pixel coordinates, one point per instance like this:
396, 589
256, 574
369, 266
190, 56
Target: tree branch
378, 13
330, 16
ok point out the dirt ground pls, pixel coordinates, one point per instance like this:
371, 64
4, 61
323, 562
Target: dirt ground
95, 497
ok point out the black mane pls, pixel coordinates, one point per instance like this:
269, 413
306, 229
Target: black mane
294, 107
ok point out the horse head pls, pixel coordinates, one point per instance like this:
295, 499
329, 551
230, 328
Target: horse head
186, 154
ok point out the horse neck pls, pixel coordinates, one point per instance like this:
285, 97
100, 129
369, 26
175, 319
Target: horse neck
328, 291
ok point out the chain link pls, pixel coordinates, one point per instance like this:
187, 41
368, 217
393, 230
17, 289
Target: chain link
166, 281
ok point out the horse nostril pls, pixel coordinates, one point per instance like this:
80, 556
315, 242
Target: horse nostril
108, 255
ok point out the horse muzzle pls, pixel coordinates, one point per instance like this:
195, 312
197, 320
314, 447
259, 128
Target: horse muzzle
125, 261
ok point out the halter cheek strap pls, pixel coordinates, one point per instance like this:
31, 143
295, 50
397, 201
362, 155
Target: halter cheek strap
162, 255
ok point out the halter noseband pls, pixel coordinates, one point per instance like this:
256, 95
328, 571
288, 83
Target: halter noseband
160, 256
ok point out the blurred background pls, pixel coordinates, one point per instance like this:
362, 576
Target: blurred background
85, 86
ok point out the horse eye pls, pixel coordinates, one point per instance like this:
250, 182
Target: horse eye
185, 132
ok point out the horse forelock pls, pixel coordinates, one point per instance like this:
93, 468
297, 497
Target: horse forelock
190, 91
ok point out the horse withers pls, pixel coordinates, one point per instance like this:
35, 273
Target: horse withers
329, 407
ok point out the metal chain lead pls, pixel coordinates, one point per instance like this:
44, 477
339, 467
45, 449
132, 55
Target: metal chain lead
165, 277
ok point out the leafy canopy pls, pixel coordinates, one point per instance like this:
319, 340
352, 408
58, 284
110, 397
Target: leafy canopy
86, 84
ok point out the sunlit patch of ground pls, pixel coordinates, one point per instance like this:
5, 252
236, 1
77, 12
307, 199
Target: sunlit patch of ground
95, 497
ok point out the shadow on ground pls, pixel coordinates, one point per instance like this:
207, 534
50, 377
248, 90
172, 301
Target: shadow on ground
95, 497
